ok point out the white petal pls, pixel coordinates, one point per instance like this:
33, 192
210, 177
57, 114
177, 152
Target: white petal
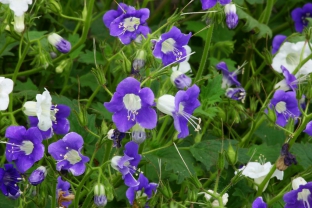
19, 6
45, 122
282, 85
183, 67
4, 101
30, 108
278, 174
188, 52
6, 85
4, 1
166, 104
297, 182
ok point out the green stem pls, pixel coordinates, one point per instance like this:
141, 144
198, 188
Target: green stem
154, 150
71, 18
78, 190
162, 128
279, 196
205, 53
265, 17
108, 148
93, 96
265, 181
255, 125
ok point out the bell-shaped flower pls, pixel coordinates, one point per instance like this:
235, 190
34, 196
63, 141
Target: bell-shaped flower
66, 152
230, 15
299, 16
9, 177
207, 4
238, 93
6, 87
100, 199
170, 46
277, 42
19, 7
229, 78
37, 176
131, 104
300, 196
289, 83
181, 108
59, 43
259, 203
24, 147
62, 193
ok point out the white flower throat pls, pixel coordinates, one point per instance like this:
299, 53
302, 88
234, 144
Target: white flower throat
168, 46
132, 103
27, 147
280, 107
130, 24
72, 156
293, 59
304, 195
190, 118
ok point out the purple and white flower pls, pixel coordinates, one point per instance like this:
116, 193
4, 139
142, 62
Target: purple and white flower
59, 43
37, 176
136, 191
229, 78
181, 108
289, 83
62, 188
138, 134
100, 199
111, 15
180, 80
60, 123
127, 164
300, 196
259, 203
299, 16
9, 177
285, 105
238, 93
6, 87
207, 4
131, 104
231, 16
24, 147
277, 42
67, 153
170, 46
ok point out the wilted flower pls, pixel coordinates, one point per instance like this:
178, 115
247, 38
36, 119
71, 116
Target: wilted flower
229, 78
6, 87
299, 16
231, 16
18, 7
290, 81
9, 177
131, 104
66, 152
285, 159
300, 196
277, 42
59, 43
24, 147
207, 4
64, 197
116, 136
259, 203
181, 108
100, 199
37, 176
238, 93
170, 46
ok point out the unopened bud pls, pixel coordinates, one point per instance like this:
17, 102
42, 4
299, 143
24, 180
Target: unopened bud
271, 115
37, 176
59, 43
54, 6
116, 136
99, 74
100, 199
138, 134
232, 155
180, 80
19, 25
139, 60
231, 16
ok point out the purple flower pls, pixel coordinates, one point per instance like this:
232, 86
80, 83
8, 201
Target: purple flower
231, 16
169, 48
131, 104
24, 147
100, 199
277, 42
181, 108
236, 93
59, 43
180, 80
289, 83
148, 188
259, 203
229, 78
60, 123
111, 15
62, 188
67, 153
9, 177
285, 105
37, 176
127, 164
207, 4
308, 129
299, 16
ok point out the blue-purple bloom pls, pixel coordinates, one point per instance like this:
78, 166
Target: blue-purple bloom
127, 164
131, 104
285, 105
238, 93
144, 184
299, 16
111, 15
60, 123
180, 80
207, 4
169, 48
229, 78
277, 42
59, 43
66, 152
231, 16
9, 177
181, 108
24, 147
289, 83
308, 128
259, 203
62, 188
37, 176
100, 199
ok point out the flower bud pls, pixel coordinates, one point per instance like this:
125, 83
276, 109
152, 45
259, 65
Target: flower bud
19, 25
231, 16
54, 6
271, 115
221, 161
166, 190
60, 43
232, 155
139, 60
285, 159
180, 80
37, 176
138, 134
100, 199
99, 74
236, 94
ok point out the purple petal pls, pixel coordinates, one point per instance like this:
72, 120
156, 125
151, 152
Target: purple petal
73, 140
33, 134
63, 111
150, 189
207, 4
131, 193
182, 122
46, 134
61, 127
128, 85
147, 96
121, 120
57, 149
296, 15
110, 16
308, 128
15, 132
143, 181
33, 121
259, 203
277, 42
147, 117
116, 103
131, 149
144, 14
224, 2
78, 169
130, 180
291, 198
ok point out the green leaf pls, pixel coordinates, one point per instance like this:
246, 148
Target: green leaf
255, 1
212, 92
271, 153
21, 86
33, 35
100, 109
210, 112
88, 58
6, 44
73, 39
303, 154
270, 135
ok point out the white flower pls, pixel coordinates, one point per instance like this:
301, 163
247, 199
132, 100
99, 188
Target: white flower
19, 25
19, 7
258, 172
41, 109
215, 202
289, 57
6, 87
184, 66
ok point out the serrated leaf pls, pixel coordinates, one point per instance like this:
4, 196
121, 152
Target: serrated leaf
33, 35
210, 112
21, 86
212, 92
99, 108
271, 153
88, 58
270, 135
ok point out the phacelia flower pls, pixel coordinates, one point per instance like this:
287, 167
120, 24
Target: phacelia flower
41, 109
127, 164
138, 134
289, 83
289, 57
308, 128
127, 26
66, 152
207, 4
111, 15
184, 66
131, 104
100, 199
285, 105
18, 7
9, 177
215, 203
24, 147
300, 196
299, 16
231, 16
181, 108
236, 93
60, 123
180, 80
170, 47
6, 87
136, 191
277, 42
59, 43
259, 203
37, 176
116, 136
229, 78
64, 198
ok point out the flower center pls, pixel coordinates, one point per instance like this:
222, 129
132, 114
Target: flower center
27, 147
190, 118
168, 46
130, 24
53, 112
280, 107
293, 59
132, 103
72, 156
303, 195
